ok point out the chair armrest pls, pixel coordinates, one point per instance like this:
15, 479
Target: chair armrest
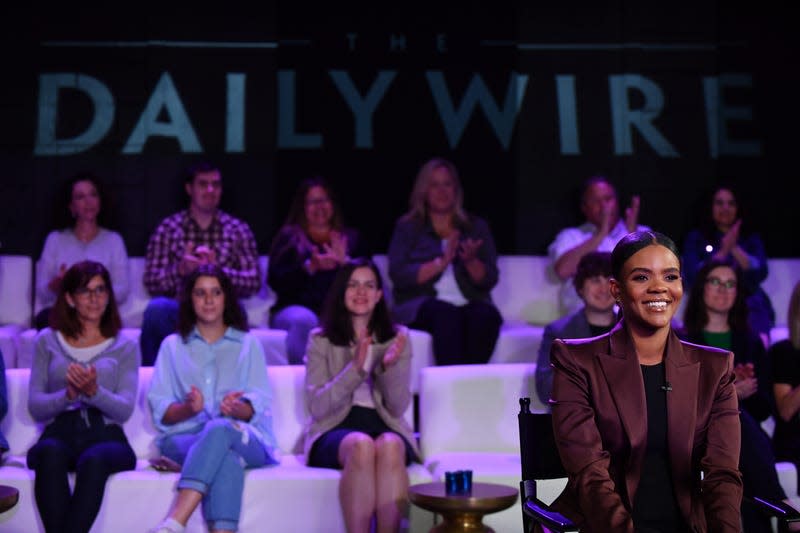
777, 508
541, 514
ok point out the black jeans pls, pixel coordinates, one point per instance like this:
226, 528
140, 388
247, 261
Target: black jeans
78, 441
463, 334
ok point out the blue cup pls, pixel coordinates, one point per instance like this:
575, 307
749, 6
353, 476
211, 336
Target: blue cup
451, 483
464, 481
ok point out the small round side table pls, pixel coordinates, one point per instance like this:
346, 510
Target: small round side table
8, 497
462, 512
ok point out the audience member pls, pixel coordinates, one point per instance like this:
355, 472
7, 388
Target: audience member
596, 317
785, 357
357, 391
81, 221
602, 230
199, 235
716, 315
443, 265
305, 256
640, 456
210, 398
723, 235
83, 383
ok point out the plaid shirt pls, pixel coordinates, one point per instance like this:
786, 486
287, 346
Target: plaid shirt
228, 236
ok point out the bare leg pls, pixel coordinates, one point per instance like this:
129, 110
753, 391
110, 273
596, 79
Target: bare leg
357, 485
391, 484
184, 505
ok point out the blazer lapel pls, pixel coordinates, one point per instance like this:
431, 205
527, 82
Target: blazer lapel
682, 375
621, 370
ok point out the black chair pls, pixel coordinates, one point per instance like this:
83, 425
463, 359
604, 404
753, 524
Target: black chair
540, 461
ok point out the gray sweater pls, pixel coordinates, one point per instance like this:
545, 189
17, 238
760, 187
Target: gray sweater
117, 380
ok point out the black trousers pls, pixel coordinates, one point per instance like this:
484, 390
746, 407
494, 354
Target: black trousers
464, 334
78, 441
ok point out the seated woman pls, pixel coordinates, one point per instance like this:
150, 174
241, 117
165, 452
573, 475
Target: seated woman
723, 235
647, 426
83, 383
210, 398
305, 255
785, 357
716, 315
79, 236
443, 265
357, 391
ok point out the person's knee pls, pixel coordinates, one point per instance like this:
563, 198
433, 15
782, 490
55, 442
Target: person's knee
161, 308
48, 455
390, 449
358, 451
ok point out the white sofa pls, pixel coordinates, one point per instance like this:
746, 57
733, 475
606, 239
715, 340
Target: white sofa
526, 295
286, 497
468, 421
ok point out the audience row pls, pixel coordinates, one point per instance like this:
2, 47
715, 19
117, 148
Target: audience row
442, 259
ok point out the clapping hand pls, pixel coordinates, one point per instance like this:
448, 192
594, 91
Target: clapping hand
233, 406
392, 354
189, 261
363, 340
81, 380
194, 399
55, 283
325, 260
339, 246
205, 255
632, 215
746, 382
468, 249
450, 249
730, 239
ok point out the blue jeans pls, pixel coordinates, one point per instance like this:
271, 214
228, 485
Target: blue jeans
160, 319
214, 460
297, 321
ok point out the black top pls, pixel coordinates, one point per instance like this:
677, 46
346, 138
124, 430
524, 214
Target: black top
286, 273
786, 369
655, 508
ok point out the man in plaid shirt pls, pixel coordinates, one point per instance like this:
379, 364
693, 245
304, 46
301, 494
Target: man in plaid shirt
195, 236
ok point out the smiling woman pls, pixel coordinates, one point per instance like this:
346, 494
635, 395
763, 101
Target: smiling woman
357, 391
306, 253
84, 380
620, 428
210, 399
81, 233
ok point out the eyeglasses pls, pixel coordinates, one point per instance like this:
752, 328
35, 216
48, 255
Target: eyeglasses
718, 283
86, 292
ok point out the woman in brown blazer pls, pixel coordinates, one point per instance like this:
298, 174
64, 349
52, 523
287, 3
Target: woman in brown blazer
647, 426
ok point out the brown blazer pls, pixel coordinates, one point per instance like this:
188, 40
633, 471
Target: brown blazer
600, 423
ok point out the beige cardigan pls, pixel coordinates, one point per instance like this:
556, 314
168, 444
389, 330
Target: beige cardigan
331, 378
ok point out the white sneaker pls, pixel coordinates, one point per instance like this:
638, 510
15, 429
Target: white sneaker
168, 525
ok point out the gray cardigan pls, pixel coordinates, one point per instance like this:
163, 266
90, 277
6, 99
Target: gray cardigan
117, 379
414, 243
331, 378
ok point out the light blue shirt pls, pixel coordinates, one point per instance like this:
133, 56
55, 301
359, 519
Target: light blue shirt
235, 362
